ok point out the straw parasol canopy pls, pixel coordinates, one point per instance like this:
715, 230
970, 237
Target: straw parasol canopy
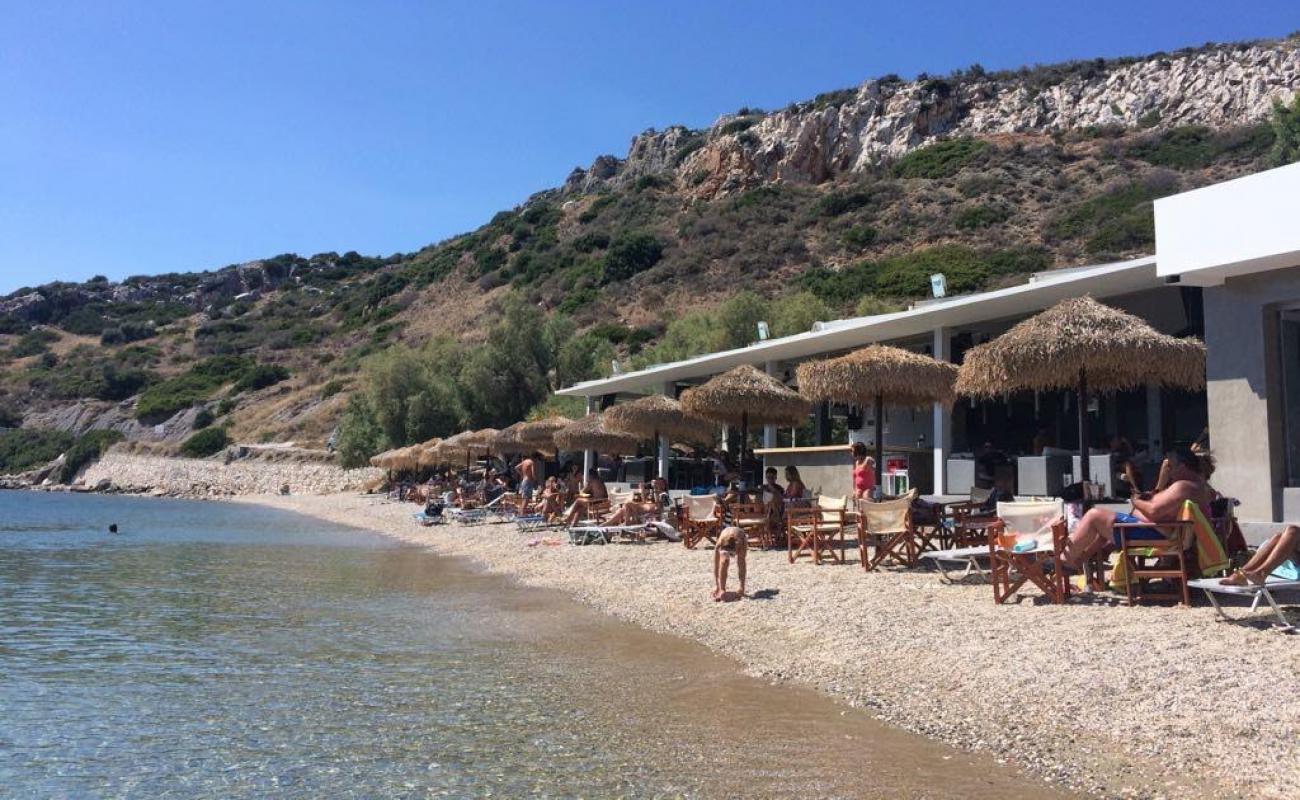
454, 448
1081, 344
591, 433
879, 375
539, 434
383, 460
744, 395
656, 415
507, 440
481, 439
427, 455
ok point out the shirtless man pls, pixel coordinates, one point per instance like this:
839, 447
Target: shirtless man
592, 491
1096, 530
527, 471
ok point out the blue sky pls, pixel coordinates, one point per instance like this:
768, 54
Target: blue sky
145, 137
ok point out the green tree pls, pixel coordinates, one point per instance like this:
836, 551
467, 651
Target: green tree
1286, 133
412, 396
360, 436
583, 358
557, 332
689, 335
870, 305
796, 313
739, 316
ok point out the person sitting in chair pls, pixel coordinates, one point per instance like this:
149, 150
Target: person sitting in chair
1096, 530
647, 508
731, 544
1281, 549
593, 491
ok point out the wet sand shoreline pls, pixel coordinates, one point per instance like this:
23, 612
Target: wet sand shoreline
1110, 701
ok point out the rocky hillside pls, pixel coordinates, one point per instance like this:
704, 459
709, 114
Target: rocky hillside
841, 204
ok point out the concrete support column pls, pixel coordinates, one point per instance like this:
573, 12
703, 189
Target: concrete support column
942, 349
587, 460
769, 431
667, 389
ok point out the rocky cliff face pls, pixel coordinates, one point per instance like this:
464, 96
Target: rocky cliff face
886, 118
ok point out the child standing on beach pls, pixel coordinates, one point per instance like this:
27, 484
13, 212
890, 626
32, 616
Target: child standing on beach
731, 544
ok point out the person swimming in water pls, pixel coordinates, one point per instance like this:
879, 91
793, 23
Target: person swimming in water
112, 528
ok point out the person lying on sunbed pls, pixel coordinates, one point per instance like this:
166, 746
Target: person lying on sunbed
649, 507
591, 493
731, 544
1280, 549
1096, 530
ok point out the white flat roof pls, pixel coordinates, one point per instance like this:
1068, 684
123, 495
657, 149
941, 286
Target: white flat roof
1041, 291
1232, 228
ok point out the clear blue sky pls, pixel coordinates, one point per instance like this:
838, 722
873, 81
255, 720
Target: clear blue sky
143, 137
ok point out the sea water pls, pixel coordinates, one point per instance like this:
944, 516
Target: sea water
213, 650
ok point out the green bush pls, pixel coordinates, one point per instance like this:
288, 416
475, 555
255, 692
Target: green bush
1196, 146
737, 126
941, 159
908, 275
203, 419
33, 343
861, 236
1118, 220
260, 377
161, 400
332, 388
22, 449
90, 447
205, 443
630, 254
981, 216
589, 242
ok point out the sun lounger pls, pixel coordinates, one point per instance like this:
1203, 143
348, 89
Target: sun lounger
427, 519
469, 516
535, 522
589, 532
1212, 587
973, 557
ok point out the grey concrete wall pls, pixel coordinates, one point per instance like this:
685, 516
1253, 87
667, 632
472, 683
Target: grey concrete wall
1244, 388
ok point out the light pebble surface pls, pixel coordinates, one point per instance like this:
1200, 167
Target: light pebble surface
1095, 696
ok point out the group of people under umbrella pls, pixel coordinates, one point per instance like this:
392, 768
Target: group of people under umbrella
1079, 344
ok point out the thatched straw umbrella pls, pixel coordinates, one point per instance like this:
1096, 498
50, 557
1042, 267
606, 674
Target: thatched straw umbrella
508, 442
591, 433
656, 415
428, 453
539, 434
744, 395
454, 448
879, 374
1084, 345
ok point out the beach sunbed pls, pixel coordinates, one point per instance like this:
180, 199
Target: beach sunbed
1256, 592
535, 522
427, 519
973, 558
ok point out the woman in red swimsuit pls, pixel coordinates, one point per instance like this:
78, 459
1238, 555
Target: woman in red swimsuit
864, 471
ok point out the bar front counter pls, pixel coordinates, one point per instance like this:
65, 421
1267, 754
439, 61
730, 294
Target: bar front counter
829, 469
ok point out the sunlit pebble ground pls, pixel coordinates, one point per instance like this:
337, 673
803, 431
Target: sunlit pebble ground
1094, 695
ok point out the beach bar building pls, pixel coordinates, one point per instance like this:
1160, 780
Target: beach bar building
1227, 269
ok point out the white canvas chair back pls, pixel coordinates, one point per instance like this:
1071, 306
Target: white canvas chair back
617, 499
889, 516
700, 508
831, 503
1031, 519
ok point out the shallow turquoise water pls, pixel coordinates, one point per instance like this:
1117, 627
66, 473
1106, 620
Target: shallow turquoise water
225, 651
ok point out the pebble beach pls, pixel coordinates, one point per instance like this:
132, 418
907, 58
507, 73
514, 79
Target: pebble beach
1093, 696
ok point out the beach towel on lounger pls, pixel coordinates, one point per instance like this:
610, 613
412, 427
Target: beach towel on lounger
1211, 557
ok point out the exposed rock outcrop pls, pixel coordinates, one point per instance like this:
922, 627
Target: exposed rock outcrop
886, 118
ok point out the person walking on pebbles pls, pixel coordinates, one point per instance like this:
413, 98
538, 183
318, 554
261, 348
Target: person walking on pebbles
731, 544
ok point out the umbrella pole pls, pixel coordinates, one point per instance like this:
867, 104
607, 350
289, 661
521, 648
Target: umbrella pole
656, 452
880, 444
744, 441
1085, 435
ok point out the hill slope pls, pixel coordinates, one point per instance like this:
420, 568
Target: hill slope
846, 201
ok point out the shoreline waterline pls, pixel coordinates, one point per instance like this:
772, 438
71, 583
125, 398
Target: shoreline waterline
225, 651
1109, 701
